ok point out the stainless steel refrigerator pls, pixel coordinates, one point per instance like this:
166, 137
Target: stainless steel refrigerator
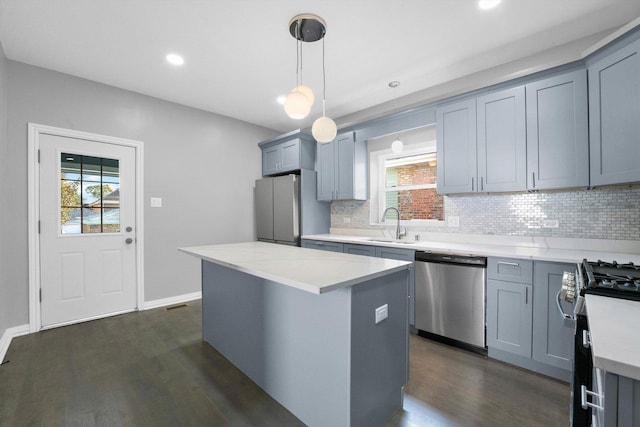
287, 207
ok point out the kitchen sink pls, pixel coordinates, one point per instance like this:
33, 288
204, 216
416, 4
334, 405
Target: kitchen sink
382, 240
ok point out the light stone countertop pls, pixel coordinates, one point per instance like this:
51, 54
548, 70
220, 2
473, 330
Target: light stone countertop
306, 269
568, 255
615, 335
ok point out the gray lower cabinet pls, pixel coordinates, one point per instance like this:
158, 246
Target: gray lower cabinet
614, 109
552, 335
342, 169
375, 251
523, 324
621, 406
558, 132
322, 245
351, 248
509, 317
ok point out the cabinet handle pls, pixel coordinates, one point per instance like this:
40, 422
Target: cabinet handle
481, 183
526, 296
586, 339
471, 183
585, 403
513, 264
533, 176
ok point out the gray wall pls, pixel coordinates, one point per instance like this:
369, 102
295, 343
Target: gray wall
5, 303
202, 165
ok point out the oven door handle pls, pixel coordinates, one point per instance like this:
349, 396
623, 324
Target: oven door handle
564, 315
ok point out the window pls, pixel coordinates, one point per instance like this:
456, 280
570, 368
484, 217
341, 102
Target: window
410, 186
407, 182
89, 194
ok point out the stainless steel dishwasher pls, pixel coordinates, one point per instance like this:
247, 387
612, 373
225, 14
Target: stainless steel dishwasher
450, 299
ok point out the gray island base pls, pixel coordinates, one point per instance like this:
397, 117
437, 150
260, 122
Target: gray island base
320, 354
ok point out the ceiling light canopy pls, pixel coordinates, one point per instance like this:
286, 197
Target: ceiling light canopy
488, 4
175, 59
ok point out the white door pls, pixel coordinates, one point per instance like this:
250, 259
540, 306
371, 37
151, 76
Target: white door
87, 229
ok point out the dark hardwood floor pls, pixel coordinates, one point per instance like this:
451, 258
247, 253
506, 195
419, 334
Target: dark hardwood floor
151, 368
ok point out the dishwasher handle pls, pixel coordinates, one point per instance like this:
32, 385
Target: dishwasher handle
441, 258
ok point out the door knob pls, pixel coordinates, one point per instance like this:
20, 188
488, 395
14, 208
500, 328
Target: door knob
129, 241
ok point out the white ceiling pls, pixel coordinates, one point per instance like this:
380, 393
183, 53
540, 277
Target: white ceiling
240, 57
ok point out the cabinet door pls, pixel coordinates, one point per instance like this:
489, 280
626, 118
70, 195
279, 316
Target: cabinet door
343, 161
326, 174
350, 248
614, 112
290, 155
456, 147
552, 337
557, 132
403, 255
321, 245
509, 317
271, 159
502, 141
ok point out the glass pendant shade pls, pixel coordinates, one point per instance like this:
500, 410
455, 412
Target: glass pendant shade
324, 129
306, 91
297, 105
396, 146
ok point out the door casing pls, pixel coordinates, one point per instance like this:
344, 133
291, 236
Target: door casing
35, 130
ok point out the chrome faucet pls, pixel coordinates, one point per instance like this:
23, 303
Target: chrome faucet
399, 232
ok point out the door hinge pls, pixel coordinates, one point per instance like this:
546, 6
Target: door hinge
40, 296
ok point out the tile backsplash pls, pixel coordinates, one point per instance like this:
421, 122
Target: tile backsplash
604, 213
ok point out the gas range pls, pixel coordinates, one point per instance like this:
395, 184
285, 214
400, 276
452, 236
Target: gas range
611, 279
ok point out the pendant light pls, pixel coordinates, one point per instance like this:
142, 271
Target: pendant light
396, 145
324, 129
298, 103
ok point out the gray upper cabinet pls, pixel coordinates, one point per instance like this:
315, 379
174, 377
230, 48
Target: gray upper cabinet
342, 169
552, 337
557, 132
456, 147
614, 116
286, 153
502, 141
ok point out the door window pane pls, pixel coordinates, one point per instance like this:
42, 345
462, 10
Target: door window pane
89, 194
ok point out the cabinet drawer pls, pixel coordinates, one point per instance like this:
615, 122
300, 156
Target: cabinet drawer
351, 248
510, 270
395, 253
323, 246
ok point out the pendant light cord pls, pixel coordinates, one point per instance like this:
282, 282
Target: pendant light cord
324, 82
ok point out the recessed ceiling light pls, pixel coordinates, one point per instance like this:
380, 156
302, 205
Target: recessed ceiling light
175, 59
488, 4
281, 99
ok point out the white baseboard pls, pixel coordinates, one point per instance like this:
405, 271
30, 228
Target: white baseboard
10, 334
148, 305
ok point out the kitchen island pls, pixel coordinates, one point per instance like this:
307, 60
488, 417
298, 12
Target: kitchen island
305, 325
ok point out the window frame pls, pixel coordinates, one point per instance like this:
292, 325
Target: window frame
378, 189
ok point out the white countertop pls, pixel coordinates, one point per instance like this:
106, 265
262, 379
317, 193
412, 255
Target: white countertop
513, 251
306, 269
615, 335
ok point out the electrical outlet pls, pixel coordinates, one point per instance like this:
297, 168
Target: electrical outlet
382, 313
156, 202
550, 223
346, 220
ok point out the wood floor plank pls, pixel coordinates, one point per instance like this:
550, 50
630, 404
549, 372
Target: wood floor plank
152, 368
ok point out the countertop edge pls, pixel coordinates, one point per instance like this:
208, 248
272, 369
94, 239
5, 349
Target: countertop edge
402, 265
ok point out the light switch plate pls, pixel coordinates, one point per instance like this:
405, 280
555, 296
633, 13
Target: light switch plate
156, 202
382, 313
